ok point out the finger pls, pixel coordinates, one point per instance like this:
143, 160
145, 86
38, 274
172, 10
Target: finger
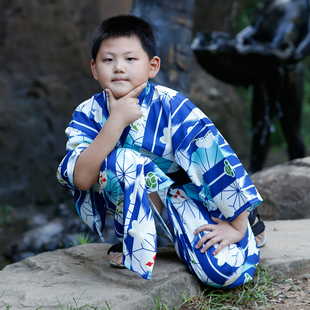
110, 95
205, 227
136, 91
140, 113
220, 247
216, 220
209, 244
204, 239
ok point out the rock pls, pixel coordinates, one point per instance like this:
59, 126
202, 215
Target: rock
34, 241
281, 236
45, 73
222, 104
285, 190
83, 273
44, 234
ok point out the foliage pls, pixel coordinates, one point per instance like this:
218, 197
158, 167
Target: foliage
5, 306
305, 124
7, 214
251, 295
75, 305
82, 238
264, 292
277, 138
248, 15
159, 304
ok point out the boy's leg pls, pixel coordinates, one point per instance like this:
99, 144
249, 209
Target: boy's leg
233, 266
127, 189
117, 257
156, 201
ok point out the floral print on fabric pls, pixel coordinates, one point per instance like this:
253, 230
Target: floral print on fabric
172, 134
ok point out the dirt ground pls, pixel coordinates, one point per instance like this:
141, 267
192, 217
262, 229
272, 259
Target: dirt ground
287, 294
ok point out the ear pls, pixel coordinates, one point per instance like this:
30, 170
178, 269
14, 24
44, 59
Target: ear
94, 69
154, 67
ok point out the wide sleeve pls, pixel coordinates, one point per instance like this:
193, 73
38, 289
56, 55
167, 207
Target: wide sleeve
219, 177
87, 120
86, 123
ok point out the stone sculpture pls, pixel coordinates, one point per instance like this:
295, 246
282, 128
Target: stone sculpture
268, 56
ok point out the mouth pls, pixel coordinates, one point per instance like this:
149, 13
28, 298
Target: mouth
119, 80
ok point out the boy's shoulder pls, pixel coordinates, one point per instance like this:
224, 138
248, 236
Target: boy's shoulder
165, 93
97, 101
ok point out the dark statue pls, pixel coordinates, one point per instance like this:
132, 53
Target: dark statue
268, 56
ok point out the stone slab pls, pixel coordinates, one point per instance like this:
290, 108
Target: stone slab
287, 250
83, 273
66, 274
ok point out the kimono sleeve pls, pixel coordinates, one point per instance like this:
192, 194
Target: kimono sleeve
85, 125
218, 175
87, 121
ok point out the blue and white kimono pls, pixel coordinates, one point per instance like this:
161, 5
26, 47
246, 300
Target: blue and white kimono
172, 134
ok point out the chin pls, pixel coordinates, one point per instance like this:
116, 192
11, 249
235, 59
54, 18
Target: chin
119, 94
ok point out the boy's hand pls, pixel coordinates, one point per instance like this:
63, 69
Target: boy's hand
222, 233
126, 109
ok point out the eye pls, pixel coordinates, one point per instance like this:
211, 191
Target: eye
131, 58
107, 59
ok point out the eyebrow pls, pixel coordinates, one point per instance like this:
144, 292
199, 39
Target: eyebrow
111, 53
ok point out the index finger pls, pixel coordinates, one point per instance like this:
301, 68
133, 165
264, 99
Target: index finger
110, 95
136, 91
205, 227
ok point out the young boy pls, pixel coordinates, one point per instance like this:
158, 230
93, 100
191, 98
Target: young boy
143, 151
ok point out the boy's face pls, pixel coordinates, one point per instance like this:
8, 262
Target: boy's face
122, 64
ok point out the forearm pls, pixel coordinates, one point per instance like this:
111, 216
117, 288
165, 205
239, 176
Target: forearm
123, 112
240, 223
88, 164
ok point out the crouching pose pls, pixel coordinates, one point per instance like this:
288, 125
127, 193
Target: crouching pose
149, 156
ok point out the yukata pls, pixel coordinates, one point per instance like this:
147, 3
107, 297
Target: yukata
171, 135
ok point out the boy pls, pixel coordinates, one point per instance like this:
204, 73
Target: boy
127, 153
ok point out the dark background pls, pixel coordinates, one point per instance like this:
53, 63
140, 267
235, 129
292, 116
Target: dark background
45, 73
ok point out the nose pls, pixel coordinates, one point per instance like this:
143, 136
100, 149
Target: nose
119, 67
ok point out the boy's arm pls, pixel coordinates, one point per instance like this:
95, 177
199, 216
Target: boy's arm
222, 232
123, 112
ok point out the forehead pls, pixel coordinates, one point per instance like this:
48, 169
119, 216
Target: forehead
122, 43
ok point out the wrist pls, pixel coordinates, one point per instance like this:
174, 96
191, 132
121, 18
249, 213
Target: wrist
240, 223
116, 123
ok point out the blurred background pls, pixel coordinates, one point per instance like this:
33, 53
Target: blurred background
45, 73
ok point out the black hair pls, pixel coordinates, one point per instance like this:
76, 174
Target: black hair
125, 26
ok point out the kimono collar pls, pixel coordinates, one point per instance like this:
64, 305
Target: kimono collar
144, 94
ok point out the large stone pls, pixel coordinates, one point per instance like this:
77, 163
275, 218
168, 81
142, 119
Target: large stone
287, 251
83, 273
285, 190
45, 73
222, 104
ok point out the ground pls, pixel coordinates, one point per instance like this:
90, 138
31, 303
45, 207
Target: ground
282, 294
292, 297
